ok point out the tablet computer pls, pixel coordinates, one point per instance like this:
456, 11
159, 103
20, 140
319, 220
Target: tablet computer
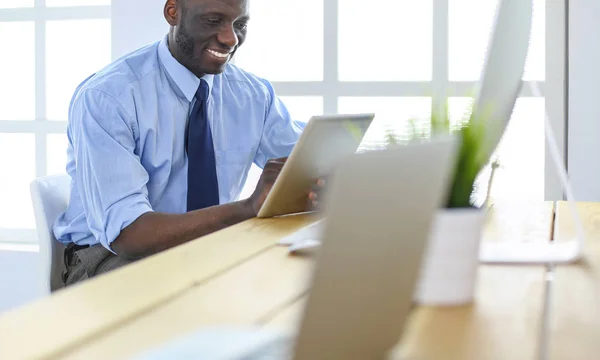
325, 141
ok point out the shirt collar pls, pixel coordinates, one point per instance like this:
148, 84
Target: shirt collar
184, 79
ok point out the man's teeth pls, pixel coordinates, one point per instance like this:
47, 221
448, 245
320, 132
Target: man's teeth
218, 54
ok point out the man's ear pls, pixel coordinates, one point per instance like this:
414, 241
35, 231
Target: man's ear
171, 12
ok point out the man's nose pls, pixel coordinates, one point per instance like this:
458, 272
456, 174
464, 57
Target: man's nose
227, 36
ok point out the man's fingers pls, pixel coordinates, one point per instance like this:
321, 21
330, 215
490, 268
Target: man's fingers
313, 194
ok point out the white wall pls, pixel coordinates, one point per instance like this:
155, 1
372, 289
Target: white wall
584, 99
136, 23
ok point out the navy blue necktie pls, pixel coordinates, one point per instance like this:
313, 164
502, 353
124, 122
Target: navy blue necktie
203, 188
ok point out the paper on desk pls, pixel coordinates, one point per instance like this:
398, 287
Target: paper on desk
214, 343
310, 232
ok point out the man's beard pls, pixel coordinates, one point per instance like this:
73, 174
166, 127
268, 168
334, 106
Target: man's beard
185, 42
187, 48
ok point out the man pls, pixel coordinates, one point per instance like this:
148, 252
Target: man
161, 141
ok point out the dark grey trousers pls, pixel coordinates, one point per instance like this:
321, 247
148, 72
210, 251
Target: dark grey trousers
85, 263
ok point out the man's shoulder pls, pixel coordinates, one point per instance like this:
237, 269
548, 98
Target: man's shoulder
127, 72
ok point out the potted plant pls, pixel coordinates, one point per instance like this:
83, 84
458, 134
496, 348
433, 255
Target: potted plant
449, 270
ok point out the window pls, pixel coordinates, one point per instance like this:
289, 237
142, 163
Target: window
59, 43
400, 59
397, 58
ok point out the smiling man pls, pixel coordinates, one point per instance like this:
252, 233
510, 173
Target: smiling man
161, 141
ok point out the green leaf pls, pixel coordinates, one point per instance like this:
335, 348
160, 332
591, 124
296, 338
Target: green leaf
469, 162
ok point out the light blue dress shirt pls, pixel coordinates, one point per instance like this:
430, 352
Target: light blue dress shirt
126, 140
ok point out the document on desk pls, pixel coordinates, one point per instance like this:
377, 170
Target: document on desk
223, 343
307, 237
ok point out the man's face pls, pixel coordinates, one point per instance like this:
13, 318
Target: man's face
208, 32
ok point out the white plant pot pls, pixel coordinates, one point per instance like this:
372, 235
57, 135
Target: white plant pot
449, 267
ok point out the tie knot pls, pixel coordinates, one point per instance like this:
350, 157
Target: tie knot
202, 92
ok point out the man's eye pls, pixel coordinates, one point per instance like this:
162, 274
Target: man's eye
241, 26
213, 21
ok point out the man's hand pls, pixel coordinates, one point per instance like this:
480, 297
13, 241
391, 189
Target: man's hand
265, 183
315, 194
267, 179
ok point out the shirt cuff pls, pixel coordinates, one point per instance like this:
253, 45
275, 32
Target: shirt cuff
118, 218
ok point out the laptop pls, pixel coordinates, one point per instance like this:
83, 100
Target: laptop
325, 141
379, 212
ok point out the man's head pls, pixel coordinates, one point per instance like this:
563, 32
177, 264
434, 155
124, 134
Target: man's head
205, 34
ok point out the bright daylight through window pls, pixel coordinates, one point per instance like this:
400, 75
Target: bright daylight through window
396, 58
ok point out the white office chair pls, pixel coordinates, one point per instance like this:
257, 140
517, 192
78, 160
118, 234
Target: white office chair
50, 197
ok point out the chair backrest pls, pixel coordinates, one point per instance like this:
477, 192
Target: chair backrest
50, 197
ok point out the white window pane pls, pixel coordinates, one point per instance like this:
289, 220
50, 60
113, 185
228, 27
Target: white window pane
17, 164
535, 66
56, 156
383, 40
302, 108
68, 65
11, 4
54, 3
470, 24
391, 114
521, 154
284, 41
17, 71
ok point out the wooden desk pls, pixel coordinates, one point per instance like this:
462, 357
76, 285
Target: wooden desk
239, 276
574, 331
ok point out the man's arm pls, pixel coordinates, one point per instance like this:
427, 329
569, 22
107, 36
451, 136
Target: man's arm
280, 131
112, 185
154, 232
280, 134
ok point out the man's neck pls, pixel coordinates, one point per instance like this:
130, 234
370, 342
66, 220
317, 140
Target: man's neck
172, 46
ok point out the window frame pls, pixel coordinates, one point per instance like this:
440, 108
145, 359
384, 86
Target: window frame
440, 87
40, 126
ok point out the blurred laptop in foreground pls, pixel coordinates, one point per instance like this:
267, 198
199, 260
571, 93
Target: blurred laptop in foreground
379, 211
